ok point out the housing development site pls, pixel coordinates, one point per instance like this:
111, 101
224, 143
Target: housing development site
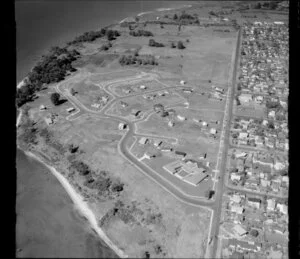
212, 138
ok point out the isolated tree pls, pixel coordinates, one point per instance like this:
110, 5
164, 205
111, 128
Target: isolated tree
173, 46
175, 17
151, 43
55, 98
209, 194
180, 45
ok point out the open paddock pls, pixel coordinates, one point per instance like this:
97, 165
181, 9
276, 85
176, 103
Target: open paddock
139, 103
113, 75
90, 95
135, 87
187, 129
89, 129
97, 62
199, 101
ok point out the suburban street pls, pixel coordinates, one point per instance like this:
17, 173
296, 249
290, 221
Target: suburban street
216, 202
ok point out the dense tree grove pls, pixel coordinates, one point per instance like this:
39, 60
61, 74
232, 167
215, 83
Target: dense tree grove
93, 35
141, 33
131, 60
153, 43
51, 69
185, 18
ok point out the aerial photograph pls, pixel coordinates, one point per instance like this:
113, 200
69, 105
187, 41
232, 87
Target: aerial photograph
152, 129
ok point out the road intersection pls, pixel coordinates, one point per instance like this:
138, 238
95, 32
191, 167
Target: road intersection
214, 205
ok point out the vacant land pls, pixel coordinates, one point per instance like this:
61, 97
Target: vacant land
137, 214
128, 107
188, 124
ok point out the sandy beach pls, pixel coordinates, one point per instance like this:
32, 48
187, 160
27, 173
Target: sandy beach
20, 84
81, 205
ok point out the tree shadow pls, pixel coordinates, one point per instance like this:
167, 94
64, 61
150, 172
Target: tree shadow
62, 101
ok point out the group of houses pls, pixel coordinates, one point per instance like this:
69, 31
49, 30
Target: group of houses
259, 171
264, 65
248, 219
265, 134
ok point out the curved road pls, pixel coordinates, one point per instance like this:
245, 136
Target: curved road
214, 204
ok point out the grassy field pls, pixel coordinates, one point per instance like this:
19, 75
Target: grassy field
89, 94
188, 129
143, 104
109, 75
134, 87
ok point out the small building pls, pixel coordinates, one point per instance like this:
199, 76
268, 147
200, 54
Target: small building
243, 135
143, 87
170, 123
167, 149
204, 124
104, 99
235, 198
157, 142
282, 208
245, 98
213, 131
180, 154
43, 107
143, 141
96, 105
123, 104
149, 155
135, 112
271, 204
49, 120
71, 109
220, 90
254, 202
122, 126
237, 209
181, 118
182, 82
239, 154
239, 230
203, 156
235, 177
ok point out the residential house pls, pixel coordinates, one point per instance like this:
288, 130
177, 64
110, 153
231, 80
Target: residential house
122, 126
71, 109
157, 142
181, 118
143, 141
237, 209
180, 154
271, 204
235, 177
282, 208
254, 202
238, 229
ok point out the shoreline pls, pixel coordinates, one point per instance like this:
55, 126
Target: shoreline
77, 199
80, 204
